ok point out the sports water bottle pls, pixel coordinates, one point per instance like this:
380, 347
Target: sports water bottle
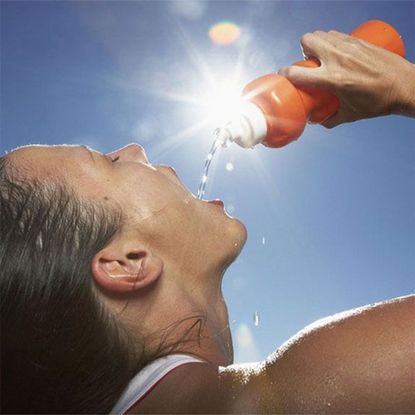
274, 112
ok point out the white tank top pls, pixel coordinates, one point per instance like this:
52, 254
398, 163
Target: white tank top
147, 378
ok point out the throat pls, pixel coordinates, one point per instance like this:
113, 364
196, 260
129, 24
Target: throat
215, 344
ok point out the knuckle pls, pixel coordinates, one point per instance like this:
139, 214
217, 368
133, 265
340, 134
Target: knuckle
354, 42
306, 38
344, 58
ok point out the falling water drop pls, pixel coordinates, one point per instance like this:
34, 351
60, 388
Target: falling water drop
256, 319
263, 240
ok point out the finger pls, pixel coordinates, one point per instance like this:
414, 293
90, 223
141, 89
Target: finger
307, 77
334, 34
336, 39
315, 45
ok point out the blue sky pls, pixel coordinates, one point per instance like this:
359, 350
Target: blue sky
334, 209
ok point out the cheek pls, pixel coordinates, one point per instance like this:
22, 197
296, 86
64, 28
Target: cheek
150, 197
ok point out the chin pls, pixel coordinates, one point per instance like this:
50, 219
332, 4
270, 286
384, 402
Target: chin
236, 238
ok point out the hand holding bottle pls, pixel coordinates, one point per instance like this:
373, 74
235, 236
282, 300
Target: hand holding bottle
368, 80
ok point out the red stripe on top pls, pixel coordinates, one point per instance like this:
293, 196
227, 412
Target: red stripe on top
132, 406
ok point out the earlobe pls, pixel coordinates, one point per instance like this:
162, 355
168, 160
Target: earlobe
125, 273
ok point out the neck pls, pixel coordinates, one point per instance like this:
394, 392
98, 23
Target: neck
215, 343
186, 311
189, 311
205, 293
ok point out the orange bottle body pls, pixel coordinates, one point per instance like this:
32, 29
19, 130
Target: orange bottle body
287, 108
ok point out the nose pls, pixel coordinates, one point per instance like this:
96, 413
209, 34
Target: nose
131, 152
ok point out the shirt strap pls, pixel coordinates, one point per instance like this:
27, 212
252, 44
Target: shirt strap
147, 379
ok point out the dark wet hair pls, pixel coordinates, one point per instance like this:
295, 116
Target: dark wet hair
62, 351
57, 340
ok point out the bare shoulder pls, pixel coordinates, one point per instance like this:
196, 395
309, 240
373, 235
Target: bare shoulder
358, 361
362, 360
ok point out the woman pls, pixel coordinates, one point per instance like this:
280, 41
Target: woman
111, 294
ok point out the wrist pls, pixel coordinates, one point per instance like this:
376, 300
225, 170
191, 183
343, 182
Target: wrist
405, 98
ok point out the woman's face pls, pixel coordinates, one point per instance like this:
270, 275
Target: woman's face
158, 209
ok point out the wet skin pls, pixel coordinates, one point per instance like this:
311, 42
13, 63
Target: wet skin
187, 243
360, 361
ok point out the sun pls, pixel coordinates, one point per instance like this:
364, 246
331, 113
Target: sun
222, 102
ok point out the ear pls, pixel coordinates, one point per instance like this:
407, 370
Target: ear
125, 267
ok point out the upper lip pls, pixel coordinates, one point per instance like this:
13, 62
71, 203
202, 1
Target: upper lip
216, 202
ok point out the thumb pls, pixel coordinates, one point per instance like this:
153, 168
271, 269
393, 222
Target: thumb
334, 120
306, 77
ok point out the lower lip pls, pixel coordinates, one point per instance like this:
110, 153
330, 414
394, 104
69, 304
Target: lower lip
216, 202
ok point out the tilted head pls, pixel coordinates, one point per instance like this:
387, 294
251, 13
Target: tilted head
100, 255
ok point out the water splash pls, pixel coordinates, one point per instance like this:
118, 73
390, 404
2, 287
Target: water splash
203, 181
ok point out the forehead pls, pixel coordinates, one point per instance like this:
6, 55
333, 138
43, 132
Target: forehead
47, 154
43, 160
40, 151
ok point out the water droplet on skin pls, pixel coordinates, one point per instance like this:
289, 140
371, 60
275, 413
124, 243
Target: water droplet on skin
230, 208
229, 166
263, 240
256, 319
328, 404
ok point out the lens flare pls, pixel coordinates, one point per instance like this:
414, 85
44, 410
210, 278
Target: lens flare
229, 166
224, 33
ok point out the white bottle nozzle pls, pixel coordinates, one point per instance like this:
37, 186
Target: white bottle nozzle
223, 136
247, 129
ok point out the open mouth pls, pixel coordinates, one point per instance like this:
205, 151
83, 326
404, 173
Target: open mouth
172, 172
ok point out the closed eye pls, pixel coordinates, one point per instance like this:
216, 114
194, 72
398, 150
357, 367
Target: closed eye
112, 160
